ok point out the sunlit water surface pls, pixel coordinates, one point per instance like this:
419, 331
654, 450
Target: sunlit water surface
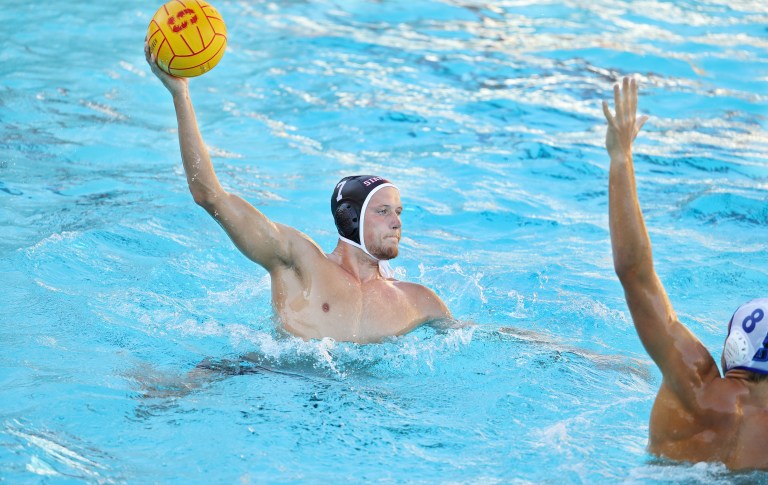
487, 116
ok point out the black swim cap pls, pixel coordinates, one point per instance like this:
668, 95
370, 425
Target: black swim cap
348, 204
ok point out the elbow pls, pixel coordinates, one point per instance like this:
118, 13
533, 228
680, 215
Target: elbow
634, 271
202, 198
206, 199
625, 272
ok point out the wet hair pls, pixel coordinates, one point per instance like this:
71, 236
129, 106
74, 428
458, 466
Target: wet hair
757, 377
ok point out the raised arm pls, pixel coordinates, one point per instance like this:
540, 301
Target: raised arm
683, 360
260, 239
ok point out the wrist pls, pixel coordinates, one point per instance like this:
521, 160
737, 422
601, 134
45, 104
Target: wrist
180, 95
621, 156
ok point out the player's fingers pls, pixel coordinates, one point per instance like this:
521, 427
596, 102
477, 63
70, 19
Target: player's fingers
617, 102
633, 96
607, 113
625, 90
641, 122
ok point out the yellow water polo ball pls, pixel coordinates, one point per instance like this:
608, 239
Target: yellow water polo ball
188, 37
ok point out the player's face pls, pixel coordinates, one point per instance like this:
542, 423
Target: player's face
382, 223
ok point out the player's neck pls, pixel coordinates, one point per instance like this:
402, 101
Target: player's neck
746, 377
738, 374
355, 261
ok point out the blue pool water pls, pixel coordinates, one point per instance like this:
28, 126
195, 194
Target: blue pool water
486, 114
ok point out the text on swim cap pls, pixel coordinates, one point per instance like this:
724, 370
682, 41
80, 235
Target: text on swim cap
340, 186
371, 180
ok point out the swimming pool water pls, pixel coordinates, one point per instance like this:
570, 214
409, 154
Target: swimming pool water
487, 115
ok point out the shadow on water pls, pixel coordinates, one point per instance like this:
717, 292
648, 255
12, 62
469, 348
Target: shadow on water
553, 345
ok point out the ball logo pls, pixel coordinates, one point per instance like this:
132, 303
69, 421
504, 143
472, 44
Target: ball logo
182, 21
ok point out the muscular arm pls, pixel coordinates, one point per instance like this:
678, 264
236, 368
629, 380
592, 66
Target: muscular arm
438, 313
684, 362
432, 309
257, 237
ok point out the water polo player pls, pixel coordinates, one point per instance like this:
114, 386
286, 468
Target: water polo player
349, 294
698, 414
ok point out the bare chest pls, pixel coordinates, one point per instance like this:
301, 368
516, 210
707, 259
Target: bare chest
344, 310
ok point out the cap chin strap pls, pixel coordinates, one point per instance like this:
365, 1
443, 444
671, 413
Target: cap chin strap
359, 246
385, 269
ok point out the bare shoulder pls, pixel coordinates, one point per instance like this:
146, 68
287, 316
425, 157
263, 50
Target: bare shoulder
301, 248
744, 398
740, 413
702, 429
424, 299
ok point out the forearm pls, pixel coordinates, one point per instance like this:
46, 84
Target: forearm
633, 261
632, 257
203, 184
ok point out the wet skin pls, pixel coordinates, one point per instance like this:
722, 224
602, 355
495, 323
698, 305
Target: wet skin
698, 415
340, 295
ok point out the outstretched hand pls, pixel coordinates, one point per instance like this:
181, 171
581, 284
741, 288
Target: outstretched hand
176, 85
624, 127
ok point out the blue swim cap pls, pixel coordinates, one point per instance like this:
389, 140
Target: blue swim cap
348, 203
746, 346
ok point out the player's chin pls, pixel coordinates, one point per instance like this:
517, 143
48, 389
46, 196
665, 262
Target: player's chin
386, 252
